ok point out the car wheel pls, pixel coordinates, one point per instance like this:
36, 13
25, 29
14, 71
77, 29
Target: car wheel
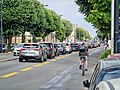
20, 59
14, 54
58, 54
51, 57
26, 60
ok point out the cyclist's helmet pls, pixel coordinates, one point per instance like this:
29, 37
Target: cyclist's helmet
83, 43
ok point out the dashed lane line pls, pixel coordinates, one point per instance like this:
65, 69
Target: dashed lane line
37, 65
53, 60
30, 68
45, 63
26, 69
9, 75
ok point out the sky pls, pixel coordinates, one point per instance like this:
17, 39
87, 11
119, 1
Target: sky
69, 11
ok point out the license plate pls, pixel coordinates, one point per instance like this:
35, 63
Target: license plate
29, 54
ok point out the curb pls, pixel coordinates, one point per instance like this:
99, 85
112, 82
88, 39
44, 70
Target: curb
11, 59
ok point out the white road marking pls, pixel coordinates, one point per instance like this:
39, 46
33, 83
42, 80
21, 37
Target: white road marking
57, 78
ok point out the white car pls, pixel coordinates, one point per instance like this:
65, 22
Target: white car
17, 48
113, 84
34, 51
67, 47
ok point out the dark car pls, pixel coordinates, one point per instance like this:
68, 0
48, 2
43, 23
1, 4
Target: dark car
56, 50
105, 70
49, 48
61, 48
75, 46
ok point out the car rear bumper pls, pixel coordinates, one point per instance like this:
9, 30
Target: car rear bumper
30, 57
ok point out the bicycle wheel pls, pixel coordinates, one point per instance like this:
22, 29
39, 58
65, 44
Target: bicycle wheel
83, 70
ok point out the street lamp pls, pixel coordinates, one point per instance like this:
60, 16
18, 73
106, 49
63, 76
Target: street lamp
114, 25
46, 5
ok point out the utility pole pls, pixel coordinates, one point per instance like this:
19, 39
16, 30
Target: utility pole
1, 25
114, 24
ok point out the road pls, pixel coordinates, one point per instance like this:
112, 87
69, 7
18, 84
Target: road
61, 73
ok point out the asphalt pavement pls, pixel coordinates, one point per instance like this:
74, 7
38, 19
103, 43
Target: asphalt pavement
7, 57
61, 73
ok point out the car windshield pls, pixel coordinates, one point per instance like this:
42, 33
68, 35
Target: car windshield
74, 45
45, 44
30, 45
19, 45
111, 74
66, 44
59, 46
3, 46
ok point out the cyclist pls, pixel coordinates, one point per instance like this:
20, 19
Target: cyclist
83, 51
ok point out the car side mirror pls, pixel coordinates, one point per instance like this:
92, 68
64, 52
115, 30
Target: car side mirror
86, 83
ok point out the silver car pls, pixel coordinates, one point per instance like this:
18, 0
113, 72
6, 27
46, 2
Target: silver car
112, 84
34, 51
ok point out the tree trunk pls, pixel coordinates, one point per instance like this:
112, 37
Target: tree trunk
23, 37
9, 43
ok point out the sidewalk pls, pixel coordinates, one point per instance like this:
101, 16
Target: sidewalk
7, 57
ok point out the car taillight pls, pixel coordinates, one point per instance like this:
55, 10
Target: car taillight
22, 49
48, 48
37, 49
69, 46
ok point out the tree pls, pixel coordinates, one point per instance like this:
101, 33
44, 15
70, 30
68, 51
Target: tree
65, 30
82, 34
98, 13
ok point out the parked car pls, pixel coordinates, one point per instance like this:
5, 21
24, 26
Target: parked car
61, 48
67, 47
117, 55
90, 45
112, 84
4, 48
56, 50
75, 46
33, 51
105, 70
49, 48
17, 48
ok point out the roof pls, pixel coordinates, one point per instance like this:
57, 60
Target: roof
106, 85
109, 62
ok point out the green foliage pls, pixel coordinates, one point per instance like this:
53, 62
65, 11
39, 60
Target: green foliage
97, 12
65, 30
20, 16
105, 54
82, 34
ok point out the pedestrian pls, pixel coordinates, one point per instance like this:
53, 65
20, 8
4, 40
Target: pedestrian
106, 46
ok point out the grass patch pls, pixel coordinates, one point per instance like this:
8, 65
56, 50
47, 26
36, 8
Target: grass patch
105, 54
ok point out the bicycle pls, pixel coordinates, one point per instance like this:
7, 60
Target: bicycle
83, 65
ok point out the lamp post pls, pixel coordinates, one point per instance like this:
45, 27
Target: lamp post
114, 24
1, 25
